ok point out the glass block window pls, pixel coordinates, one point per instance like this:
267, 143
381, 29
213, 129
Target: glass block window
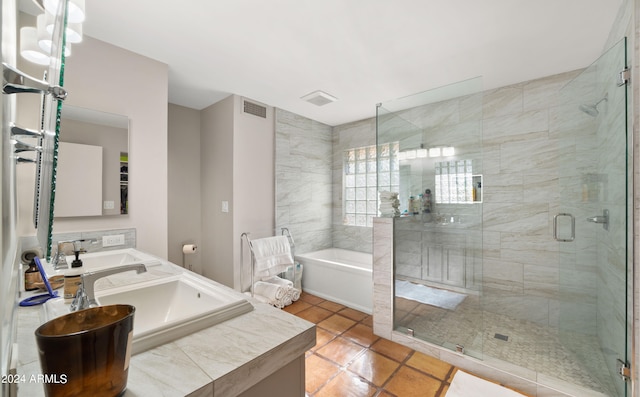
454, 182
362, 180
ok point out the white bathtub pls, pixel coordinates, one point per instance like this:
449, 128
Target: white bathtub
339, 275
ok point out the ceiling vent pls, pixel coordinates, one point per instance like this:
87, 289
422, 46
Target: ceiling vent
319, 98
255, 109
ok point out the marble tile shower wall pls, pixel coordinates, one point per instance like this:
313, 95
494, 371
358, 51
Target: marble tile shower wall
303, 180
521, 273
521, 126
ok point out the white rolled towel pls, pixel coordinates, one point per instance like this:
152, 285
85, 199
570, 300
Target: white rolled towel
295, 294
273, 292
286, 301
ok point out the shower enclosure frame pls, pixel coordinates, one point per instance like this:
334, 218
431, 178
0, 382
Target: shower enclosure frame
384, 281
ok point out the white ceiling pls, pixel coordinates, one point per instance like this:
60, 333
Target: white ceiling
360, 51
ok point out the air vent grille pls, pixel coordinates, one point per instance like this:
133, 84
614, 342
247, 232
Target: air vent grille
255, 109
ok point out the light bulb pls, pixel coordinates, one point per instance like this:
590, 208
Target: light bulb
29, 48
75, 13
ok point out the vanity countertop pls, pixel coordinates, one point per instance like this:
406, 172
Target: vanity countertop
227, 358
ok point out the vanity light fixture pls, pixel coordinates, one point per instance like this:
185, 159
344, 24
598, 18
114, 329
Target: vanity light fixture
45, 37
35, 43
424, 153
29, 48
75, 13
434, 152
45, 25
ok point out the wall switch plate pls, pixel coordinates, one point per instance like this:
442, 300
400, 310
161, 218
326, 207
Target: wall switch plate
225, 206
108, 205
113, 240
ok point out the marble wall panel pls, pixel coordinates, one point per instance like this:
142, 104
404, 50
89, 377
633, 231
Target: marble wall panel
530, 248
383, 277
543, 93
439, 114
503, 275
502, 101
515, 217
540, 155
507, 187
304, 180
510, 126
353, 238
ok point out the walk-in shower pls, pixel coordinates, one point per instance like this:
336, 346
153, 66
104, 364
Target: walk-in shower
505, 257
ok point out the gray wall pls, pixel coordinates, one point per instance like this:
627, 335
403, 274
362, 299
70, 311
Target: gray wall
216, 162
237, 166
184, 188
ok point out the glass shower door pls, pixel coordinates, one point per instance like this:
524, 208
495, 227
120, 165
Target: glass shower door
438, 266
591, 223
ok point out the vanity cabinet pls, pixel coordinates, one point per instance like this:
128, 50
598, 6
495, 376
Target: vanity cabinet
438, 254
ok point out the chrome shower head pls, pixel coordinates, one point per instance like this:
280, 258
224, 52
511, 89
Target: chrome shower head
592, 110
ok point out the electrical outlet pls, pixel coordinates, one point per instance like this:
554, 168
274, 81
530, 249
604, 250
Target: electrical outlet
108, 205
113, 240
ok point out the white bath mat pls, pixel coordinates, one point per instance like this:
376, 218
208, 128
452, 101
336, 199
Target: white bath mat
430, 296
467, 385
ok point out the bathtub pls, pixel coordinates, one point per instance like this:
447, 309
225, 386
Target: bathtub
339, 275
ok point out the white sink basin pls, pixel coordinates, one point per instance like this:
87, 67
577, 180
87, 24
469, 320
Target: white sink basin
98, 260
167, 308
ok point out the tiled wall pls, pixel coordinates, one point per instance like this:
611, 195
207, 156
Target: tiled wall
94, 239
521, 126
347, 136
303, 180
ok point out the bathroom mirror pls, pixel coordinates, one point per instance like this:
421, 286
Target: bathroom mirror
456, 183
92, 169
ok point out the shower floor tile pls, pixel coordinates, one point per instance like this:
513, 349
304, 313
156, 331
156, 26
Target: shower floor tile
528, 345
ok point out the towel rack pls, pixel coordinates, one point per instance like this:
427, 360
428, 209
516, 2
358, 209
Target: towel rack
245, 236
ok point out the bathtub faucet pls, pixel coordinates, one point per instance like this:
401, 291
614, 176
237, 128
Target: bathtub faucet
86, 297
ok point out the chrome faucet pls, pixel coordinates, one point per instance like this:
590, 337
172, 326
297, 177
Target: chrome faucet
68, 247
86, 297
59, 260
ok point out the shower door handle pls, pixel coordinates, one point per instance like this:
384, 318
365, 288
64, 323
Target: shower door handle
573, 227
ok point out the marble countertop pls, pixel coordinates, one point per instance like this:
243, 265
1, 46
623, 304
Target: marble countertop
227, 358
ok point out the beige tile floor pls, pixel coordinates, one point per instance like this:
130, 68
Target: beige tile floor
348, 360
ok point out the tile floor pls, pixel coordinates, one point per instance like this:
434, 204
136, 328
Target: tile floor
348, 360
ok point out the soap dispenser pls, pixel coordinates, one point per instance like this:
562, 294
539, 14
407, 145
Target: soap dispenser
72, 278
32, 277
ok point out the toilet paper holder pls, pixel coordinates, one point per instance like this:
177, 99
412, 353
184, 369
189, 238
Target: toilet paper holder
188, 249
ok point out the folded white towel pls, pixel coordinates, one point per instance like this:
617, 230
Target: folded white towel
276, 292
272, 255
270, 291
